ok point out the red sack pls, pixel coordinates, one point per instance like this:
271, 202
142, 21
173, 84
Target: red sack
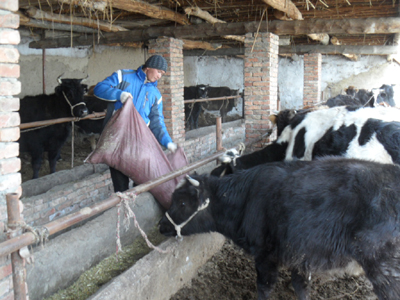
129, 146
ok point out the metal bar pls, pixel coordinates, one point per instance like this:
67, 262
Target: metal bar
28, 238
211, 99
61, 120
17, 262
218, 133
43, 70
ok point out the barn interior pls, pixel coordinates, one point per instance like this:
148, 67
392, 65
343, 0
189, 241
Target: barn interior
355, 43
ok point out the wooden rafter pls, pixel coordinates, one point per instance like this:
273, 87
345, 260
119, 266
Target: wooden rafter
44, 16
196, 11
304, 27
150, 10
188, 45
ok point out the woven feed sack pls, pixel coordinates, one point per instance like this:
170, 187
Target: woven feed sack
129, 146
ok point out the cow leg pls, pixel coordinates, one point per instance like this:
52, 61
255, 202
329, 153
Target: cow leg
300, 285
267, 276
53, 156
384, 275
36, 162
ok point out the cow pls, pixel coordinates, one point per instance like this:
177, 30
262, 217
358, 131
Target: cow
310, 217
224, 106
382, 96
67, 101
352, 132
93, 127
193, 110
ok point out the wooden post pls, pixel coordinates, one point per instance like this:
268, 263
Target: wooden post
17, 262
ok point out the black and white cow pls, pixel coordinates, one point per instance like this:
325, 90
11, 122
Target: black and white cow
307, 216
193, 110
67, 101
365, 133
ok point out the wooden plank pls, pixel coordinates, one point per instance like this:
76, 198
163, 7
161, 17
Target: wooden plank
303, 27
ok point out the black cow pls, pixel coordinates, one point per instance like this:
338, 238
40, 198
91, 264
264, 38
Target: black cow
365, 133
224, 106
67, 101
309, 217
192, 110
93, 127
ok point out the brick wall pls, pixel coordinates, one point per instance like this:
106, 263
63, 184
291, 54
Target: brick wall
260, 84
312, 78
171, 85
10, 179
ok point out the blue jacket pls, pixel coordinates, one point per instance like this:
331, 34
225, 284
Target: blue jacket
146, 98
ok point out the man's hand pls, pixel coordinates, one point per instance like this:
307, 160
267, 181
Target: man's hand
172, 147
125, 96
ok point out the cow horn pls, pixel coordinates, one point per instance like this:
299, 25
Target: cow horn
84, 79
59, 78
192, 181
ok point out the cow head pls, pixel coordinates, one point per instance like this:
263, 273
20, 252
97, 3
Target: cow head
72, 91
188, 213
385, 96
201, 91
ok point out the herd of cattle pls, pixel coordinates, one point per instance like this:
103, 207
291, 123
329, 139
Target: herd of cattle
323, 196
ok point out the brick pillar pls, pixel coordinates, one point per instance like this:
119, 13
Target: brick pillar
10, 165
312, 78
260, 84
171, 85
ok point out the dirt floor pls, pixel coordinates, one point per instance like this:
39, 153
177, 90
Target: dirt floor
230, 275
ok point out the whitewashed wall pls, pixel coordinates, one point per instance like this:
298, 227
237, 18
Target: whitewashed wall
337, 71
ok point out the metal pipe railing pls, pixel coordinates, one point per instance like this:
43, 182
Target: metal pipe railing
210, 99
60, 120
29, 238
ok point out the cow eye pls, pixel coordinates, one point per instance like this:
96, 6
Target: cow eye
183, 204
383, 94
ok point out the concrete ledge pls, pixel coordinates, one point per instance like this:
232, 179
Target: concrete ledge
158, 276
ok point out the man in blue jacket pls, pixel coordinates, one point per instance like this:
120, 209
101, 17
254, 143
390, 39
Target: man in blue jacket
139, 86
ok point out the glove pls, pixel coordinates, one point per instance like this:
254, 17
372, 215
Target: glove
172, 147
125, 96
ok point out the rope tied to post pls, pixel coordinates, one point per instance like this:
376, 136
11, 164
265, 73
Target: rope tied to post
128, 213
41, 233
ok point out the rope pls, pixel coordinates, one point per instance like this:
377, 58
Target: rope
41, 233
128, 213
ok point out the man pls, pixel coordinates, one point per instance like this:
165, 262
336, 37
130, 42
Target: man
139, 86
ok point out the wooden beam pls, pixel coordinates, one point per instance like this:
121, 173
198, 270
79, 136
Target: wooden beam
44, 16
332, 49
150, 10
92, 5
218, 52
205, 15
287, 7
25, 21
188, 44
304, 27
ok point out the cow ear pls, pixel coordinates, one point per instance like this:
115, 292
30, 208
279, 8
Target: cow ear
272, 118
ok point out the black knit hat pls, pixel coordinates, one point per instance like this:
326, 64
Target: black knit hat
156, 62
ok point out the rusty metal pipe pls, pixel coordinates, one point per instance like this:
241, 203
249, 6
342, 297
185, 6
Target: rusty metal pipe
55, 226
17, 262
218, 133
211, 99
60, 120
